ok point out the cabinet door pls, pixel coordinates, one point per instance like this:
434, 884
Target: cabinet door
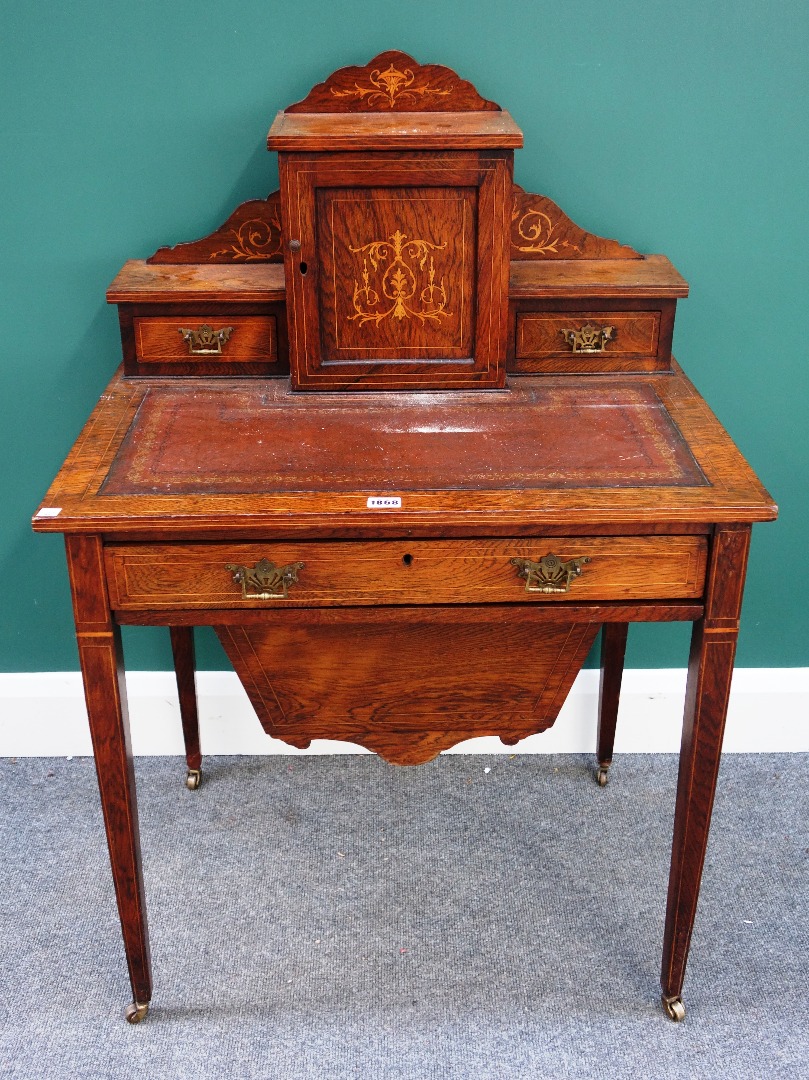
397, 269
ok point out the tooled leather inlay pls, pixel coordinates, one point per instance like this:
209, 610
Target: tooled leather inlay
264, 438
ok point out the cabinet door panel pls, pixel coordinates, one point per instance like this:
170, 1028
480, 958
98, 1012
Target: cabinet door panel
397, 269
397, 273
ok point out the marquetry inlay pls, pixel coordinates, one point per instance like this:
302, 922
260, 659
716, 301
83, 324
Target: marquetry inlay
407, 287
389, 86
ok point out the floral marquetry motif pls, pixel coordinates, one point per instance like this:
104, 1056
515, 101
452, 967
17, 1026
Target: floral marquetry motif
389, 86
394, 81
399, 283
397, 274
541, 230
251, 234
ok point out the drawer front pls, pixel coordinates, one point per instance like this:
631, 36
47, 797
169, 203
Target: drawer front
587, 333
592, 335
215, 338
322, 574
589, 337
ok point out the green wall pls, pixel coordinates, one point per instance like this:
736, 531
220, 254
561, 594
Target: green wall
681, 128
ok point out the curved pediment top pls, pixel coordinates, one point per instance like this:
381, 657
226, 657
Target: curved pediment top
393, 82
541, 230
251, 234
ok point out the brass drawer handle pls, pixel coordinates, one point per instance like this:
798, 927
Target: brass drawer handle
205, 341
589, 338
550, 574
269, 581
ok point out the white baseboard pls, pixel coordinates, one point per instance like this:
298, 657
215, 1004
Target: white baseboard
42, 714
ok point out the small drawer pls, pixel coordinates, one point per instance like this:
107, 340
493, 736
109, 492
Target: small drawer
220, 338
345, 573
587, 334
571, 337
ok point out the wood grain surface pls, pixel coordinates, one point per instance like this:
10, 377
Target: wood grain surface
710, 669
613, 650
322, 133
327, 500
321, 276
159, 340
407, 688
183, 653
544, 614
405, 572
650, 276
251, 234
640, 341
140, 282
393, 80
100, 656
541, 334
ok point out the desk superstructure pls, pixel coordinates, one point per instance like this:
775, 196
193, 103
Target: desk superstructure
409, 475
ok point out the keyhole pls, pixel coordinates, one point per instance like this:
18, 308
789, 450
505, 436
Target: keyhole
303, 267
407, 559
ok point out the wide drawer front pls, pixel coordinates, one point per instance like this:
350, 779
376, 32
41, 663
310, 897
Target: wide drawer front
314, 573
587, 334
233, 339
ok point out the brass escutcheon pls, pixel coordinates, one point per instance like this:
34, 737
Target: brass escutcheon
549, 574
205, 341
589, 338
269, 582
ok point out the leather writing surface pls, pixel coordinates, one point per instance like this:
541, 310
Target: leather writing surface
250, 438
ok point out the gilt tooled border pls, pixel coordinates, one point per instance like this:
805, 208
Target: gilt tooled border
144, 471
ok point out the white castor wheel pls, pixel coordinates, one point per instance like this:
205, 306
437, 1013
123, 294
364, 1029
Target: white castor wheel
136, 1012
601, 775
193, 779
675, 1010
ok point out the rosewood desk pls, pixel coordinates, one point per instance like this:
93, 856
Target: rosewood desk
409, 566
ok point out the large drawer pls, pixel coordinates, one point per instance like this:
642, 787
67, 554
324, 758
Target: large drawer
318, 574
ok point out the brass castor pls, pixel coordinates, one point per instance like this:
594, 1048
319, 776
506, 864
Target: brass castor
675, 1010
193, 779
136, 1012
601, 775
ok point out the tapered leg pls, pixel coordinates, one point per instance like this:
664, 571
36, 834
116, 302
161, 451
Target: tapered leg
105, 692
613, 650
713, 648
182, 646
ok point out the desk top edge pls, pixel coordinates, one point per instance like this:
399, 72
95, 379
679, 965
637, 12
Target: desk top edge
734, 493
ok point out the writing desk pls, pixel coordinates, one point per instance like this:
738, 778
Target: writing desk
404, 570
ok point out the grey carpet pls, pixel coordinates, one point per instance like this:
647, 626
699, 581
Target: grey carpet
338, 917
